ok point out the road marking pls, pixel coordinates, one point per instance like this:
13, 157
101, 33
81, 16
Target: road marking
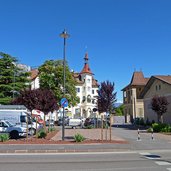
169, 169
162, 163
145, 153
65, 153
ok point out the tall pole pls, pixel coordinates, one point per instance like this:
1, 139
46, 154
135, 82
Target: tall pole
65, 36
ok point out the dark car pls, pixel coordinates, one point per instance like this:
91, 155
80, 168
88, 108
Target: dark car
95, 122
66, 121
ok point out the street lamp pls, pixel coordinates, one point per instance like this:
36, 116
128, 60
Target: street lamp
64, 35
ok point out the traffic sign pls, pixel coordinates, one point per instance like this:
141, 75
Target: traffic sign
64, 102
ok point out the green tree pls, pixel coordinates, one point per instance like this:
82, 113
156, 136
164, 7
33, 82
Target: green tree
159, 105
119, 110
12, 78
106, 97
51, 77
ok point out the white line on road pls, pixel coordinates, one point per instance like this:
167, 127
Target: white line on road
121, 152
162, 163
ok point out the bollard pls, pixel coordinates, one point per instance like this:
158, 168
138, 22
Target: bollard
152, 137
138, 139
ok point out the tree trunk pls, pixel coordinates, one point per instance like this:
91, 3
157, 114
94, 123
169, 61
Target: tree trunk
159, 118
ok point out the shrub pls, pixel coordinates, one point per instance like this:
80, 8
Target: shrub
4, 137
79, 138
51, 129
158, 127
167, 128
89, 127
41, 134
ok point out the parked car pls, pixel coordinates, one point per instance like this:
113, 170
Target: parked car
66, 121
50, 122
15, 131
95, 122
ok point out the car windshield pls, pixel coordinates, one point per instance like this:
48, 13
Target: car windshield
10, 124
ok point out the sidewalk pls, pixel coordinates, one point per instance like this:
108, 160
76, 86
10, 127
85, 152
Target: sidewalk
117, 143
89, 134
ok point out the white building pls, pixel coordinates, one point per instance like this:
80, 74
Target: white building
86, 88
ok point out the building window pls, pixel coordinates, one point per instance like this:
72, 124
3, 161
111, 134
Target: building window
159, 87
84, 99
88, 80
78, 90
156, 88
124, 93
83, 89
89, 88
92, 91
88, 98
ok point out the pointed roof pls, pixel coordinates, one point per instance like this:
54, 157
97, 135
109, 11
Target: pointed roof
34, 73
137, 79
86, 69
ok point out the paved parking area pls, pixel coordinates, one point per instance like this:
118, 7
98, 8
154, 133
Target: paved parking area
92, 134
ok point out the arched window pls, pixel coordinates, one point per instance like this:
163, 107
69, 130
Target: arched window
89, 99
84, 99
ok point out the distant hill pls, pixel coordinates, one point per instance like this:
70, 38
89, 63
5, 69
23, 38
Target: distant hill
117, 104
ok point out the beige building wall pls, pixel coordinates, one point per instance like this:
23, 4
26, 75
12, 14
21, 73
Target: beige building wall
161, 89
133, 107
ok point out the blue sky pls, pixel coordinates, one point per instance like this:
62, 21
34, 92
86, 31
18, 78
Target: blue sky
120, 36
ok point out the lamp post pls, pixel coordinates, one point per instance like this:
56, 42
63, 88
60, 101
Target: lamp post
64, 35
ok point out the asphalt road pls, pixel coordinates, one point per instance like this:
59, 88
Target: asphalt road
116, 161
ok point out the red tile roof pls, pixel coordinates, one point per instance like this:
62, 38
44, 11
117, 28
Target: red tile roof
165, 78
138, 79
86, 68
34, 73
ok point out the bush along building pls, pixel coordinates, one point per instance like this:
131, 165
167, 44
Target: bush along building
86, 88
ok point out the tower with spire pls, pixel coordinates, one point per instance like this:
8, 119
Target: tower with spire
87, 88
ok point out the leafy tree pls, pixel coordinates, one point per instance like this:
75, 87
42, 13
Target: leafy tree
12, 78
106, 97
51, 77
159, 105
41, 99
119, 110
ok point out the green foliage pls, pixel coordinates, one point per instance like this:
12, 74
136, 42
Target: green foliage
89, 127
41, 134
51, 129
12, 78
4, 137
120, 110
158, 127
79, 138
51, 77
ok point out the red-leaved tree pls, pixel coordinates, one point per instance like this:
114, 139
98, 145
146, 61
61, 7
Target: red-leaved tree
106, 97
159, 105
41, 99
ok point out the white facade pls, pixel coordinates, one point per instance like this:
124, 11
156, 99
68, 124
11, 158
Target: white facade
87, 94
35, 83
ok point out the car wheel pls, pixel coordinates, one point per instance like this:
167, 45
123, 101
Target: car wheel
14, 135
32, 131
